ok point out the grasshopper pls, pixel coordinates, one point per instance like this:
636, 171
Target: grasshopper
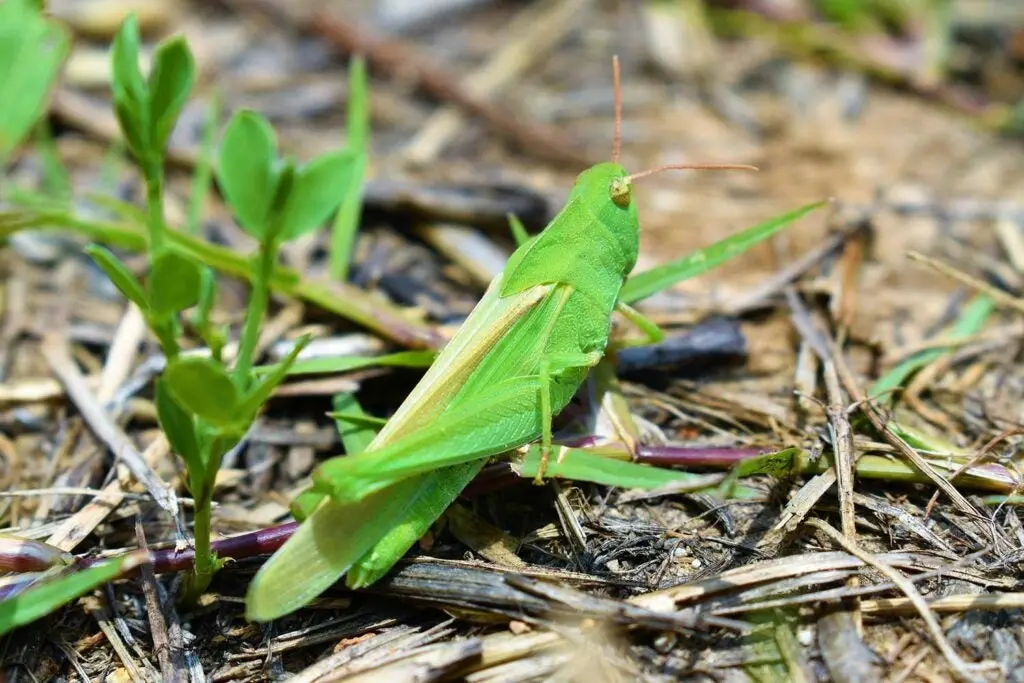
513, 365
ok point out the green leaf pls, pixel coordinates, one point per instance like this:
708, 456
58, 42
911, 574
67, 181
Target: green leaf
657, 279
131, 99
318, 189
175, 282
32, 50
354, 436
245, 170
119, 274
261, 393
203, 388
284, 181
178, 426
44, 598
170, 82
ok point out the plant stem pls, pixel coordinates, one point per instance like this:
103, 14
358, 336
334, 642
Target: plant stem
165, 329
259, 299
155, 205
205, 563
387, 319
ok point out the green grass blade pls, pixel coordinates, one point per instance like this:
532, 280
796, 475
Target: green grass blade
589, 465
970, 323
203, 173
355, 436
643, 285
56, 178
346, 221
337, 364
44, 598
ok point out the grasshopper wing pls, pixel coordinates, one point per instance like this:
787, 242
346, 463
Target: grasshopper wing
321, 550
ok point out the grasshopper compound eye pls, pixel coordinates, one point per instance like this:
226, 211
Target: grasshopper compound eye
621, 192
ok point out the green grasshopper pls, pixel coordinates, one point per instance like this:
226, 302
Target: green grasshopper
515, 363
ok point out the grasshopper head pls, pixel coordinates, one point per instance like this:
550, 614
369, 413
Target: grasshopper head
605, 182
607, 191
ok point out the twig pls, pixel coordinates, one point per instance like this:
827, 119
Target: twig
103, 620
801, 503
871, 411
529, 39
56, 352
776, 282
977, 459
76, 528
998, 295
121, 356
964, 670
157, 624
397, 58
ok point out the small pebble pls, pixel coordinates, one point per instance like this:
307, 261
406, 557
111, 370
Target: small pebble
519, 627
665, 643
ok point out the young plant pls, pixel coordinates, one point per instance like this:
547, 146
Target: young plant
205, 405
515, 363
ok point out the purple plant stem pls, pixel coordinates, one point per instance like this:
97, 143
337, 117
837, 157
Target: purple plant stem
259, 542
492, 478
716, 457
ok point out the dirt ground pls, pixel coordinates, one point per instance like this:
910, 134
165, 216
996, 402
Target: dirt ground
596, 583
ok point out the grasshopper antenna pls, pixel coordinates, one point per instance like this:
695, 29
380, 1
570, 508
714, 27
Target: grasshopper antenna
691, 167
617, 90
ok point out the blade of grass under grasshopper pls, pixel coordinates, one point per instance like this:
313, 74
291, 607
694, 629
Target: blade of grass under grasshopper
346, 222
591, 465
969, 323
344, 300
649, 282
41, 599
355, 437
338, 364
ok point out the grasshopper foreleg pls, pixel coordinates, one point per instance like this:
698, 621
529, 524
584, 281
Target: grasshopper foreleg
546, 369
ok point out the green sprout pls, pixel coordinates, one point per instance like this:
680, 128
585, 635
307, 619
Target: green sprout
204, 405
